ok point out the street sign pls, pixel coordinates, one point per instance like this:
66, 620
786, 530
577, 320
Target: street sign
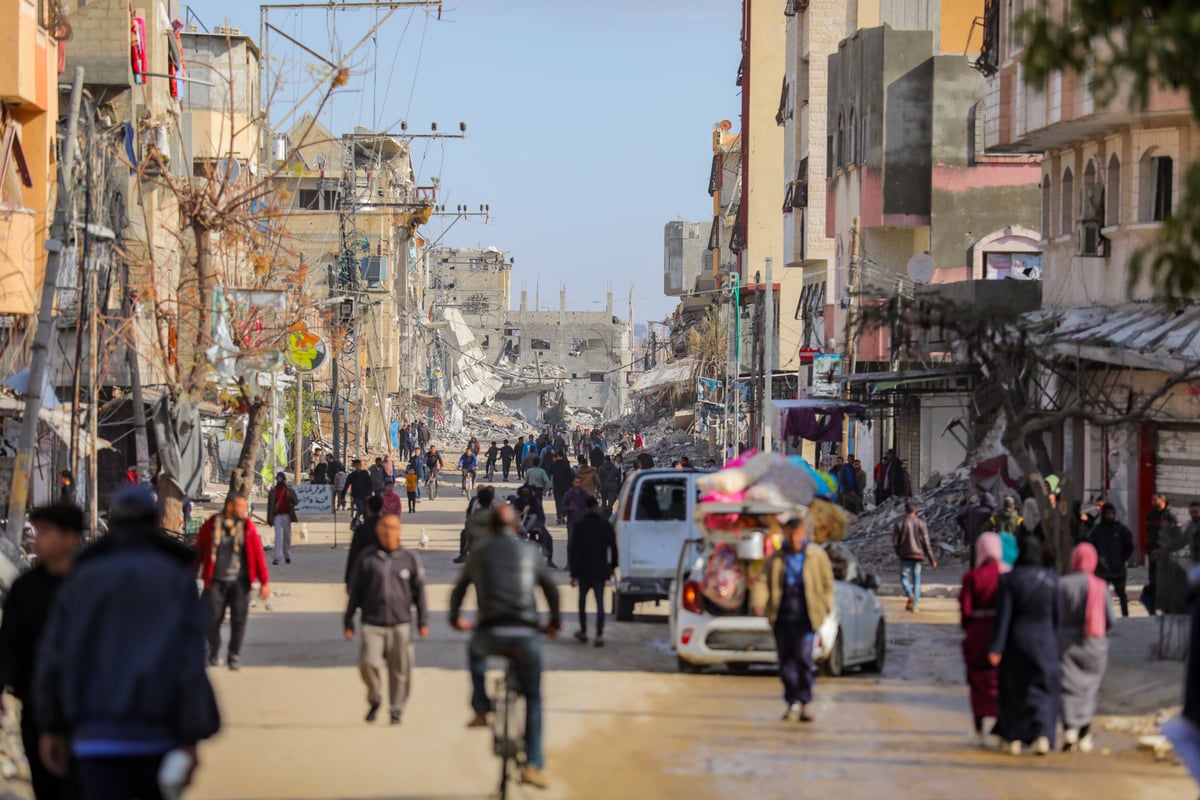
826, 369
807, 354
305, 350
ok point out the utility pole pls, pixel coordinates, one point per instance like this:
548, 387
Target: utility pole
298, 428
756, 364
768, 362
18, 498
735, 348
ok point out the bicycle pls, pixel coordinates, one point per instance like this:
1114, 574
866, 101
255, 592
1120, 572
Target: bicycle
431, 484
508, 720
468, 482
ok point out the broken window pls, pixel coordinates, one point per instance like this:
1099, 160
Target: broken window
1156, 185
539, 344
486, 343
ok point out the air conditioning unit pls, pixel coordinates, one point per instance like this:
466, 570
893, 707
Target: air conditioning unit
1089, 241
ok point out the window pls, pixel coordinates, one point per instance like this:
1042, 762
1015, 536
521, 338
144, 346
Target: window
317, 199
840, 150
829, 156
1091, 199
1046, 207
596, 377
486, 343
1067, 204
852, 147
1156, 186
662, 500
539, 344
1112, 192
864, 140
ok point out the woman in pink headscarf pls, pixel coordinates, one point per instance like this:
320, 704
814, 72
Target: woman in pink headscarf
1084, 617
977, 599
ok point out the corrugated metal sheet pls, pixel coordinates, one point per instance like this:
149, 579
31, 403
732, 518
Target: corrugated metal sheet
1138, 335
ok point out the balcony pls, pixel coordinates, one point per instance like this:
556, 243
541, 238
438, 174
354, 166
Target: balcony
32, 55
1024, 120
19, 252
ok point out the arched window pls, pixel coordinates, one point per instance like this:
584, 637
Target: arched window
1066, 223
1091, 199
852, 147
1155, 186
1112, 192
1046, 207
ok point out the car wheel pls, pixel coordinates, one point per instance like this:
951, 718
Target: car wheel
687, 667
876, 664
835, 664
623, 608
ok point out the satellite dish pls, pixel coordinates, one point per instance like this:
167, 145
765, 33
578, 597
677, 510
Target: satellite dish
229, 169
726, 125
921, 268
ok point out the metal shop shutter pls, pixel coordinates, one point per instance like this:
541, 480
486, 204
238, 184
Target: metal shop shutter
1177, 465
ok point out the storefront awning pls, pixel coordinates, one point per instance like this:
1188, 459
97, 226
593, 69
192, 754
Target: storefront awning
1136, 335
878, 382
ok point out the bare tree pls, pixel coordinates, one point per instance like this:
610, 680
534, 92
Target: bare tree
1033, 380
225, 240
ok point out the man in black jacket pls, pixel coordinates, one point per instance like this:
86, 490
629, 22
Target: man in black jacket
1114, 544
26, 609
593, 560
364, 537
386, 584
361, 487
1161, 526
504, 572
506, 458
121, 678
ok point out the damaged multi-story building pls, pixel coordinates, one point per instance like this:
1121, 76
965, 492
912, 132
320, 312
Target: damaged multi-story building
534, 356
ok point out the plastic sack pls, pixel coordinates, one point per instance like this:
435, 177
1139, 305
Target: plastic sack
826, 521
783, 483
737, 478
724, 582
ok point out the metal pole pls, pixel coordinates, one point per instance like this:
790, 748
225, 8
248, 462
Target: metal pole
735, 278
298, 433
768, 361
93, 406
337, 433
18, 498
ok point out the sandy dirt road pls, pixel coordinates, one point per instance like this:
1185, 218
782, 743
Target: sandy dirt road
620, 722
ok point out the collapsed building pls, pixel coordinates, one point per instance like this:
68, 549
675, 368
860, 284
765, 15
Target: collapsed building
529, 359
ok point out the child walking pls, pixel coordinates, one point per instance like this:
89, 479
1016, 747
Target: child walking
410, 486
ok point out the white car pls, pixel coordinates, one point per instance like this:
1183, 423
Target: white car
705, 635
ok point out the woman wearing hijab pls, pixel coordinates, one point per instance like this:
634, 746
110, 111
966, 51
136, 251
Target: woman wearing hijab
1084, 617
1024, 645
977, 599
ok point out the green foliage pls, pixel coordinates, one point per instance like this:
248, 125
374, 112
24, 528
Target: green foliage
308, 420
1128, 49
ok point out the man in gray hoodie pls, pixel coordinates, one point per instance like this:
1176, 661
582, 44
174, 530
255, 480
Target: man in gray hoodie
386, 583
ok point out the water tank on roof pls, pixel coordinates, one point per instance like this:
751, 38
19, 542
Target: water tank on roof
279, 149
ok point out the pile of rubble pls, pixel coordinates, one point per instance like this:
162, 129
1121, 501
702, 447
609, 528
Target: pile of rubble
870, 534
664, 441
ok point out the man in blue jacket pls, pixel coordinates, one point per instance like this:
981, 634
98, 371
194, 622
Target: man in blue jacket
121, 678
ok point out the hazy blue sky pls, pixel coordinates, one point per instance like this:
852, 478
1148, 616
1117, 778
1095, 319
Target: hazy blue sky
589, 124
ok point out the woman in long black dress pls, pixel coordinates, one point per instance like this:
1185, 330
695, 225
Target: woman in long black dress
1024, 644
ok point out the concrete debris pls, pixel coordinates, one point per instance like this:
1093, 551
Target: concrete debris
870, 534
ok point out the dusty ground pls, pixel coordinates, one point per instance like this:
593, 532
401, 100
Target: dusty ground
621, 723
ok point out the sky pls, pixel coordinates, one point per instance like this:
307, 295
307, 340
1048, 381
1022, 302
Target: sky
588, 124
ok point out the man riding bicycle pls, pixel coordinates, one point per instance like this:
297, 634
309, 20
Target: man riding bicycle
504, 571
468, 462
